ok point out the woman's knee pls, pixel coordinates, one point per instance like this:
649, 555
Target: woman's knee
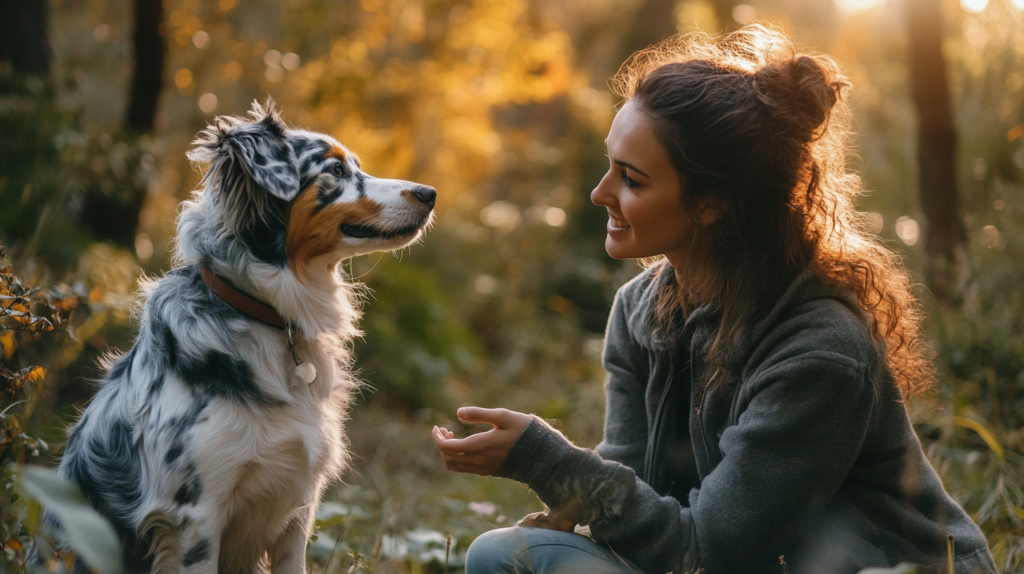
493, 551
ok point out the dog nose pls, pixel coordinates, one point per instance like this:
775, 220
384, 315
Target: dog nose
425, 194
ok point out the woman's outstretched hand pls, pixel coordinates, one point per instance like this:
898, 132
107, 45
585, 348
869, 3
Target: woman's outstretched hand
481, 453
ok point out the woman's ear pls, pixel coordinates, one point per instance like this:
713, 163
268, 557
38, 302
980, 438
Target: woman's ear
709, 213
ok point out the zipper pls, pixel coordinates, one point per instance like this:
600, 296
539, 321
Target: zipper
700, 425
652, 452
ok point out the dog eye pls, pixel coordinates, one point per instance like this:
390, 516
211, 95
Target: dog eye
337, 170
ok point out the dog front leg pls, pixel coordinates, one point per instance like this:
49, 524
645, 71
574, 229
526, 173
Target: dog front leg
200, 546
288, 556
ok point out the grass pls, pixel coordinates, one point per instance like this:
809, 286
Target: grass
399, 510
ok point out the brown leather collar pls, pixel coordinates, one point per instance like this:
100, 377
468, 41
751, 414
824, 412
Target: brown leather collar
239, 300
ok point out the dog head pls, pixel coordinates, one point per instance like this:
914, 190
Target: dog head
299, 198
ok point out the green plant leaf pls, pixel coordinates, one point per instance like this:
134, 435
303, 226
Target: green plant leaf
983, 431
88, 533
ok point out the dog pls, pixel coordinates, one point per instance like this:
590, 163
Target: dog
209, 444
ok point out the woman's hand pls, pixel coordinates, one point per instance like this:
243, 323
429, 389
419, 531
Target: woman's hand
549, 520
481, 453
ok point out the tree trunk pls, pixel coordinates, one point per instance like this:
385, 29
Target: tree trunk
24, 41
653, 22
115, 215
945, 237
147, 76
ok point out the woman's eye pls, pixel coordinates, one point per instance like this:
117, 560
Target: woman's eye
337, 169
628, 181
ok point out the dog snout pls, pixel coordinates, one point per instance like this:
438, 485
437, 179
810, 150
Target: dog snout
425, 194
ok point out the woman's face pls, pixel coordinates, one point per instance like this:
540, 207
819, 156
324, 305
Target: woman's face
641, 193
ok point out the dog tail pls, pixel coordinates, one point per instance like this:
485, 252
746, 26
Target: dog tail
162, 534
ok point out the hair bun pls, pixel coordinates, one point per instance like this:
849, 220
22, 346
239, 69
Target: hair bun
799, 92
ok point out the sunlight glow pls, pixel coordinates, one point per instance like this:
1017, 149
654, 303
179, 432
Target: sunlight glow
990, 237
101, 33
485, 284
854, 6
200, 39
554, 216
973, 6
183, 78
908, 230
290, 61
143, 247
744, 13
501, 215
208, 103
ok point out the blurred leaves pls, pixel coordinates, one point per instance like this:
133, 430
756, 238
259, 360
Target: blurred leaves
19, 385
86, 532
983, 431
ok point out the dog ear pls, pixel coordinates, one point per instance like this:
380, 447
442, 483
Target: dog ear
259, 147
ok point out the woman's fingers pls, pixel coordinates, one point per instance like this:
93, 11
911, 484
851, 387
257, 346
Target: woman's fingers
546, 520
446, 441
539, 520
495, 417
500, 418
438, 435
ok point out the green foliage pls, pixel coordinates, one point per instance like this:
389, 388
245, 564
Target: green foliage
20, 387
86, 532
977, 443
62, 185
414, 342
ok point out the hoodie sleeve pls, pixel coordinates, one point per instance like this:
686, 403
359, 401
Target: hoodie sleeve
625, 422
655, 532
793, 446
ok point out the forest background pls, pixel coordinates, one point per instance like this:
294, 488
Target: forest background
502, 105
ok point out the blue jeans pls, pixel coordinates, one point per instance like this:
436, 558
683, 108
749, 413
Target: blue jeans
524, 550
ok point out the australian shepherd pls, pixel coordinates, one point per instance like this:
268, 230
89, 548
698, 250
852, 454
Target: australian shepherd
209, 444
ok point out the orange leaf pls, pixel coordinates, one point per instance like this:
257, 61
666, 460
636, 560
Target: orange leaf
7, 344
13, 544
36, 374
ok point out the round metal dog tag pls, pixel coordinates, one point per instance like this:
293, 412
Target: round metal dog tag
306, 372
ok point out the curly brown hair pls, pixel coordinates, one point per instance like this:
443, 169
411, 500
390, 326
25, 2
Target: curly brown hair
760, 134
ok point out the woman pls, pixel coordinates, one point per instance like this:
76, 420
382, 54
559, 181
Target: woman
757, 374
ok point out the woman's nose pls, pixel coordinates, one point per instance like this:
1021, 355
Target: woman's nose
599, 196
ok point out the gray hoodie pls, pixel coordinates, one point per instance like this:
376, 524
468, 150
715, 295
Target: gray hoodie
808, 463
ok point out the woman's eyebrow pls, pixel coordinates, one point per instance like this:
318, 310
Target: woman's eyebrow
631, 166
624, 163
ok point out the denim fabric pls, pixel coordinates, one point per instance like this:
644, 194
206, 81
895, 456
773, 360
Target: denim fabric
523, 550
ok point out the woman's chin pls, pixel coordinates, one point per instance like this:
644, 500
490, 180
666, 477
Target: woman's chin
616, 249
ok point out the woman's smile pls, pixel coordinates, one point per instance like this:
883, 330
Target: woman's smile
615, 225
